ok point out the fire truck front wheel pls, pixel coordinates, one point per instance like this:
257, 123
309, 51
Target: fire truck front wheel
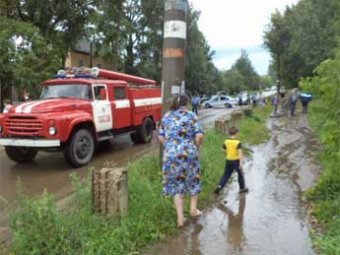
79, 150
21, 154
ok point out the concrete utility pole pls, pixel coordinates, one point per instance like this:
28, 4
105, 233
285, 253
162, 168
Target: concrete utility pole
174, 50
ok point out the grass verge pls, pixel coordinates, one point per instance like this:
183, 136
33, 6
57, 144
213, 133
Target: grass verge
325, 195
38, 227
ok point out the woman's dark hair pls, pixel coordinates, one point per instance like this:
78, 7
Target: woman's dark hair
178, 101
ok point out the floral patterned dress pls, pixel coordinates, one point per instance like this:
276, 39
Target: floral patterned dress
181, 168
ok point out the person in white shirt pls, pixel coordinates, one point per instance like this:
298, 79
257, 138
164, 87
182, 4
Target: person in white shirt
7, 106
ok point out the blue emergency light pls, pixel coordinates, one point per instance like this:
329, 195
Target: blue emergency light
75, 73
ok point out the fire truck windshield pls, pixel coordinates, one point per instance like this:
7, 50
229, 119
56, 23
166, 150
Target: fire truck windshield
80, 91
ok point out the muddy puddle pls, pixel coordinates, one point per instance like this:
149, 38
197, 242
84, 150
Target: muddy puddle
271, 218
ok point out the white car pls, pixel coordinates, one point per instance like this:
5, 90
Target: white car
244, 98
221, 101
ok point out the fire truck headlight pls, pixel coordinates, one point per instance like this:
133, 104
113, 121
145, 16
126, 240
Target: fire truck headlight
52, 130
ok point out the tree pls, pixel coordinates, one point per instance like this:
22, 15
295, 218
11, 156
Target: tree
60, 23
234, 81
25, 58
245, 68
201, 74
132, 35
109, 21
266, 81
276, 39
302, 37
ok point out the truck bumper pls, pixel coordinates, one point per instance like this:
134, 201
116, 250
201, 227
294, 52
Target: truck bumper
29, 142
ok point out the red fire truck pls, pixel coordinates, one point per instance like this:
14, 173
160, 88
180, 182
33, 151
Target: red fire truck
79, 109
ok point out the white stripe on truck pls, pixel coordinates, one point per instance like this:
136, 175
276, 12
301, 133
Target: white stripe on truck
122, 104
147, 101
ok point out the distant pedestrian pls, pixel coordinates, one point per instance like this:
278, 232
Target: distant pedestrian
240, 101
254, 99
305, 98
292, 102
7, 106
234, 161
181, 136
275, 103
248, 100
195, 102
261, 100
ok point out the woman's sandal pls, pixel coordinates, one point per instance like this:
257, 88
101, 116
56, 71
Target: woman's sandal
198, 213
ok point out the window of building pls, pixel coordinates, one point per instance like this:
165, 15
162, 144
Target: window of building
119, 92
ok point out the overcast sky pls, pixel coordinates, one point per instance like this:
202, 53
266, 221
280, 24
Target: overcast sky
232, 25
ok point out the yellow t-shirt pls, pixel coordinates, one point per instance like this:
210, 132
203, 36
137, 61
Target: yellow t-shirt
232, 146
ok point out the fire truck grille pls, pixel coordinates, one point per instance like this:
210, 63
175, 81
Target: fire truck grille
18, 125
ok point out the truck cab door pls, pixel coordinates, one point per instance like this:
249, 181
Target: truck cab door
101, 108
121, 108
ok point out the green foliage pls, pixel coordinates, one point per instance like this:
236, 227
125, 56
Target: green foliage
266, 81
126, 33
60, 23
301, 37
25, 58
40, 218
201, 75
234, 81
325, 119
241, 76
253, 128
244, 66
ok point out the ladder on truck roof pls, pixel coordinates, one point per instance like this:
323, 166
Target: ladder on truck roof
102, 73
96, 72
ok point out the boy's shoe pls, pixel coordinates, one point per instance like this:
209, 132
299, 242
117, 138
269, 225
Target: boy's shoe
218, 189
244, 190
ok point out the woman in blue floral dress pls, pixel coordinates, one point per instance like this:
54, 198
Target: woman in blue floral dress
181, 135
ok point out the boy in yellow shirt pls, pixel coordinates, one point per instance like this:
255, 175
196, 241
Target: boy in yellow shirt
234, 158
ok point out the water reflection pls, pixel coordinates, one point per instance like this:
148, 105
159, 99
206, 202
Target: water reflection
235, 234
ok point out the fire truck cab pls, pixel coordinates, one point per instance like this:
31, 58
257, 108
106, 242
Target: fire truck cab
79, 109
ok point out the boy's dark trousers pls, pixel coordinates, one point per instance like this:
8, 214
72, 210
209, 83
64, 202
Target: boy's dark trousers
195, 108
230, 166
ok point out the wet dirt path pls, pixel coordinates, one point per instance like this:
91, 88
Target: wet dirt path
271, 218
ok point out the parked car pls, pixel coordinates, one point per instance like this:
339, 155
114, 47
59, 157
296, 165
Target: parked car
221, 101
243, 98
204, 98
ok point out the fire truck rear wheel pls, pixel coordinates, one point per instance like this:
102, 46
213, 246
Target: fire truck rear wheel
21, 154
146, 130
79, 150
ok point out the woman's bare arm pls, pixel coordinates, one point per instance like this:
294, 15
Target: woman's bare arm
161, 139
198, 139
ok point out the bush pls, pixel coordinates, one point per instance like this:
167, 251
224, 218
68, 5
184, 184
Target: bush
325, 119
